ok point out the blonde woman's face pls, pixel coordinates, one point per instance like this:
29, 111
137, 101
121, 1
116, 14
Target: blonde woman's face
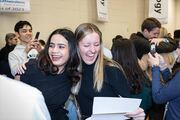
89, 48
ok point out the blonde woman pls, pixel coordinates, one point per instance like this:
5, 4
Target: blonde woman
100, 76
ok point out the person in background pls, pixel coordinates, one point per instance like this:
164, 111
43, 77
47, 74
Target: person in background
177, 52
20, 101
25, 50
11, 41
150, 30
100, 76
168, 57
55, 71
124, 53
169, 92
107, 52
42, 43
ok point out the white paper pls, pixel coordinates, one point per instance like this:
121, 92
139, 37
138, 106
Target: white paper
113, 108
108, 117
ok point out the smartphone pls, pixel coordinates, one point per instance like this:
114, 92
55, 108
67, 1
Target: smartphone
37, 36
153, 49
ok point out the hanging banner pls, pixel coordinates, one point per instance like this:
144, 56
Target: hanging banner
159, 10
14, 5
102, 10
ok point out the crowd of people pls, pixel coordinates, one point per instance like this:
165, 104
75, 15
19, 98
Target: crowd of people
52, 69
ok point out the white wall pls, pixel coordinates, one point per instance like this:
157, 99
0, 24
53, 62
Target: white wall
171, 16
125, 17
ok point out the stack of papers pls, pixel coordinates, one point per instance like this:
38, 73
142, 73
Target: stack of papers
113, 108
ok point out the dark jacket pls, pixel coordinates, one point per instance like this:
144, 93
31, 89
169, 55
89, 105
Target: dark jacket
170, 92
4, 63
142, 45
55, 88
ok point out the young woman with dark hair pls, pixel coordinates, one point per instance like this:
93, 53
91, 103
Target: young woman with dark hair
123, 52
54, 71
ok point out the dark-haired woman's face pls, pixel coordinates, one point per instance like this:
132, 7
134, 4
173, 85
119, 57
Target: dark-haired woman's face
59, 51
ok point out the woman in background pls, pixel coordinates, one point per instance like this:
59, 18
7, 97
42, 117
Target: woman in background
169, 92
123, 52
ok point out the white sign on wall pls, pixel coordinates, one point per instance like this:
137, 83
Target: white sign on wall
14, 5
159, 10
102, 10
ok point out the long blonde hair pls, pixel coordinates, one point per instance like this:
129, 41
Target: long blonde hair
98, 73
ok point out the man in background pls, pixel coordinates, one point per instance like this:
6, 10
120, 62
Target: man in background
150, 30
28, 48
11, 41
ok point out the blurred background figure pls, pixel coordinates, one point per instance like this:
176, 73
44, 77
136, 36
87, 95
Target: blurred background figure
42, 43
168, 57
26, 49
124, 52
176, 53
20, 101
11, 41
170, 91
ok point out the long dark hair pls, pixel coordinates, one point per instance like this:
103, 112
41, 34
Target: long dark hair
45, 63
123, 52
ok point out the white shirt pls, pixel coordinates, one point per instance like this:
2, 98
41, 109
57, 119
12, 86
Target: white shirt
107, 52
18, 56
19, 101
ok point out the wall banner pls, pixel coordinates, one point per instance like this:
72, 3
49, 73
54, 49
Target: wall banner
102, 10
14, 5
159, 10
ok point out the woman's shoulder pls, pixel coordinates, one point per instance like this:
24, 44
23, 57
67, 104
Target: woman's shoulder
32, 65
111, 68
113, 72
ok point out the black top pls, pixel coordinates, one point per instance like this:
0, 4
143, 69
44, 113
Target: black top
142, 45
4, 64
115, 84
55, 88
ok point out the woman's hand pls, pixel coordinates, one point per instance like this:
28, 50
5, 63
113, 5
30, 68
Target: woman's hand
21, 68
153, 61
156, 40
137, 114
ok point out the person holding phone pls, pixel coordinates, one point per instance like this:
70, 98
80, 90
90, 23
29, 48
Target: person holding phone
25, 50
168, 92
11, 41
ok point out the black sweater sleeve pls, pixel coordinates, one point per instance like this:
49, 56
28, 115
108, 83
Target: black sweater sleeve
116, 79
29, 72
167, 46
142, 45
